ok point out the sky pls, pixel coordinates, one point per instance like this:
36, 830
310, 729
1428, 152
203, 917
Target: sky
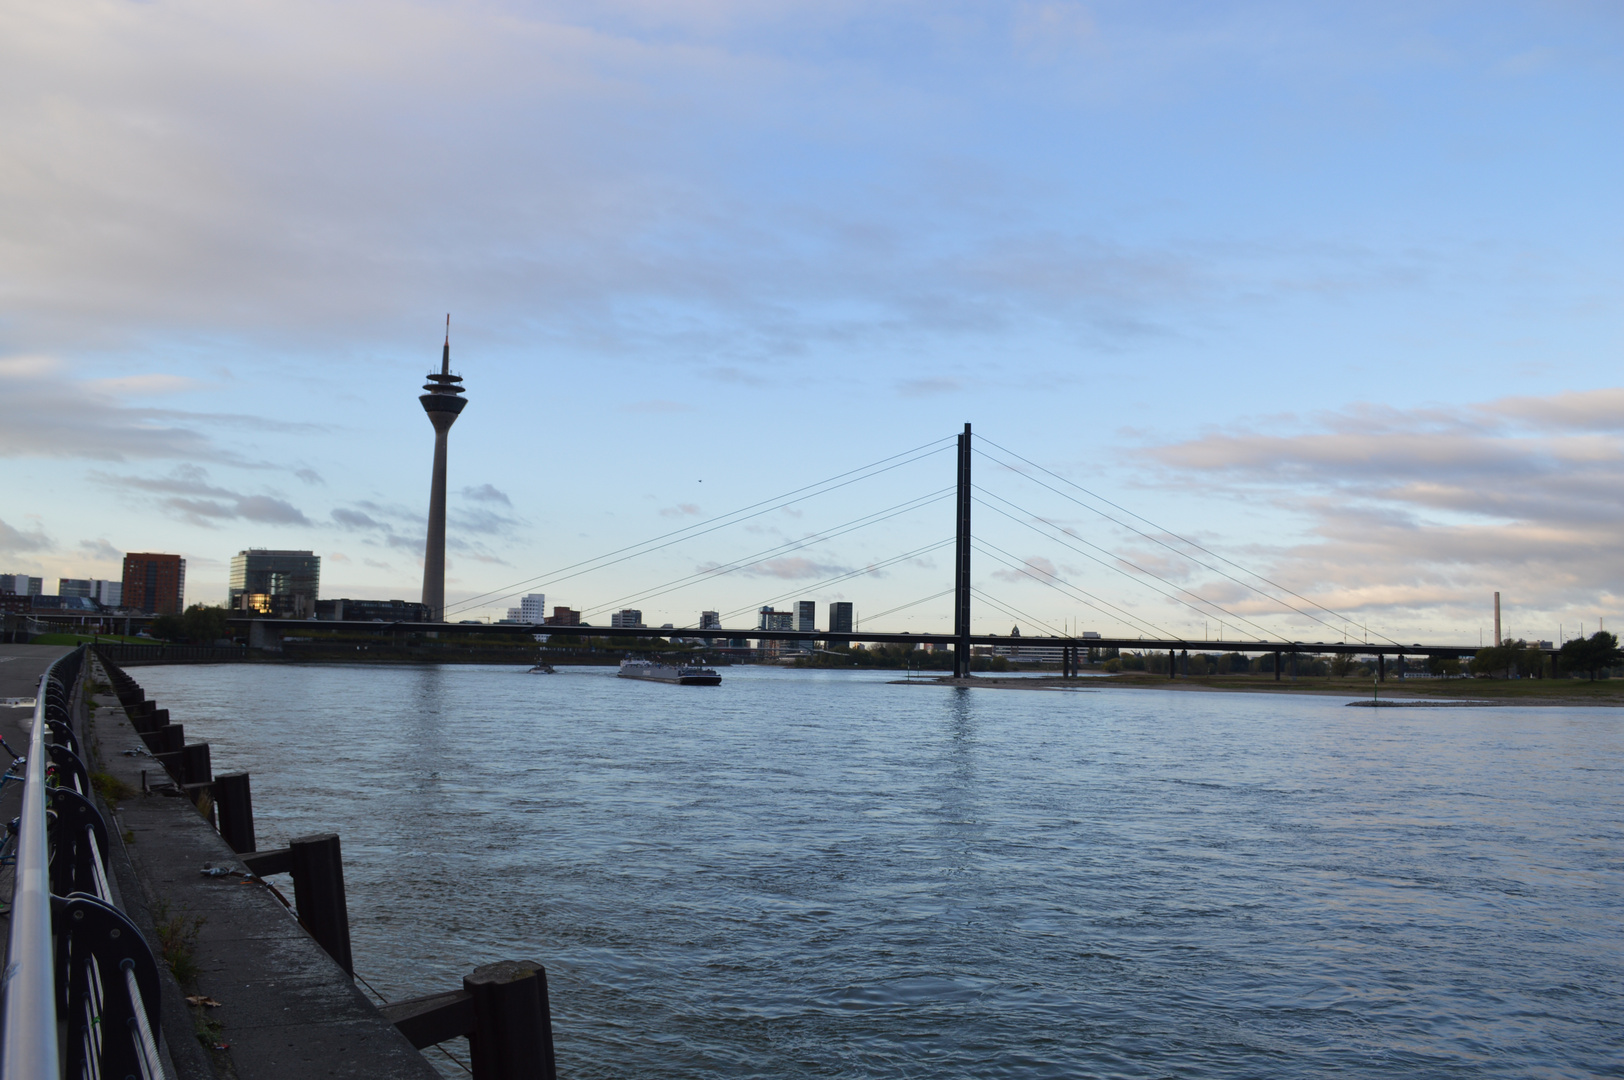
1269, 318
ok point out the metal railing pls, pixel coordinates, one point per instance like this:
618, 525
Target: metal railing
81, 989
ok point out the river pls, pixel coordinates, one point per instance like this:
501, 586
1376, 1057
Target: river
818, 874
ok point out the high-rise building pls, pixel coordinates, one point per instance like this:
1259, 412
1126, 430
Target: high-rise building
154, 583
710, 620
533, 608
840, 617
22, 585
282, 584
106, 593
806, 618
563, 616
444, 404
629, 618
769, 619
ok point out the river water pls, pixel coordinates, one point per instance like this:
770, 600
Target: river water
818, 874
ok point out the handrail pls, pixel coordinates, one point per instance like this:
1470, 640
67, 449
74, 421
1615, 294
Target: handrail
29, 1047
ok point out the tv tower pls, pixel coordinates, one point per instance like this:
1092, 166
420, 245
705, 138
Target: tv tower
443, 402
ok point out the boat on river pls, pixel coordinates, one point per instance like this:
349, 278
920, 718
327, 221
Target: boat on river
682, 675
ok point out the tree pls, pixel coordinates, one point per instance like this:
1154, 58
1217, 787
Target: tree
1443, 665
202, 624
1498, 658
1599, 650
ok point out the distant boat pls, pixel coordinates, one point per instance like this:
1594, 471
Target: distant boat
684, 675
541, 669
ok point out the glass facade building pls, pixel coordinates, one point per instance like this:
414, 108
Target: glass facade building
281, 584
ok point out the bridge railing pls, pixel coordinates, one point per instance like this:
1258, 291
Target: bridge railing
81, 990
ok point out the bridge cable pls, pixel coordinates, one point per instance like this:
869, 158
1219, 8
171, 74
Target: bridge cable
859, 572
1148, 573
1017, 613
1181, 539
719, 522
1019, 565
909, 604
1181, 554
780, 549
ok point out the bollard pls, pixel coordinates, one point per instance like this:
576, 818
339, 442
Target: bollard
318, 893
194, 764
513, 1026
234, 802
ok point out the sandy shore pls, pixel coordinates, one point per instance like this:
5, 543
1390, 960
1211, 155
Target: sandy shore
1394, 693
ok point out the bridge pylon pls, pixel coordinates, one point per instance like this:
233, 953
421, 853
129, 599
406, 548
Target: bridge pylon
961, 565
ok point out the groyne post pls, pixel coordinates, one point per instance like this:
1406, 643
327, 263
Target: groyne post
513, 1031
318, 893
234, 802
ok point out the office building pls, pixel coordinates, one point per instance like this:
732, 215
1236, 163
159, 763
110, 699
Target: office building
840, 617
22, 585
154, 583
280, 584
444, 403
106, 593
533, 608
710, 620
806, 618
769, 619
563, 616
627, 618
389, 611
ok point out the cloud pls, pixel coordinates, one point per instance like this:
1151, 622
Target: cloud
1036, 565
16, 541
50, 414
486, 493
309, 476
1421, 513
355, 519
101, 550
793, 568
680, 510
192, 497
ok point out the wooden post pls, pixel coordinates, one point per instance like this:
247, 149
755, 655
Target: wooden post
513, 1026
194, 764
234, 802
318, 893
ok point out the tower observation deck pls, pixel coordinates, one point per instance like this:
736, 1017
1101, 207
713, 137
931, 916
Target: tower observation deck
443, 402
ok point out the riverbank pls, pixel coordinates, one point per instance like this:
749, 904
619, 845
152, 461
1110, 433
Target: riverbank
1602, 692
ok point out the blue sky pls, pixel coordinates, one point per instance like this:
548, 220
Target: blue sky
1332, 290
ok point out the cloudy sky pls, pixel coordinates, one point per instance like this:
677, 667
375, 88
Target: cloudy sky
1275, 317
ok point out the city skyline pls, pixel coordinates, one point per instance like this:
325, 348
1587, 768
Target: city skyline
1332, 293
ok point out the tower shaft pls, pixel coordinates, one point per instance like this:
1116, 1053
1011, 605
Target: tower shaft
434, 549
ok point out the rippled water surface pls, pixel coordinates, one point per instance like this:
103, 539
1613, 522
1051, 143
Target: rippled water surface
820, 874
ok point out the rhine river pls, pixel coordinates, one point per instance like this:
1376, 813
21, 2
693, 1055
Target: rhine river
816, 874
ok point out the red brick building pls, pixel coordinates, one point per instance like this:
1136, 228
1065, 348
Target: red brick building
155, 584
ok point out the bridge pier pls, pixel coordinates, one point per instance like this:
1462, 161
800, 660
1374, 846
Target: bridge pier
1401, 665
1277, 656
1381, 667
1172, 664
264, 636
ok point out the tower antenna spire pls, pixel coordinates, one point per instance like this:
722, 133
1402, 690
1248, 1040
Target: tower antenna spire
445, 357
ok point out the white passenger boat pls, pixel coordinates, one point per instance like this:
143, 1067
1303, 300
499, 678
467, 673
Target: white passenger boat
684, 675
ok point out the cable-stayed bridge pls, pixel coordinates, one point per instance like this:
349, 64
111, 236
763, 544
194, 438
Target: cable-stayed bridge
967, 496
